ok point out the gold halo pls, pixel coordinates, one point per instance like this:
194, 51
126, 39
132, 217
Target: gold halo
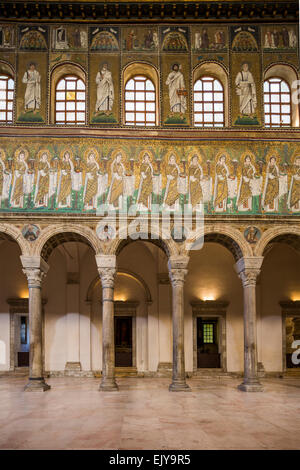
19, 150
248, 153
89, 151
41, 152
66, 150
197, 154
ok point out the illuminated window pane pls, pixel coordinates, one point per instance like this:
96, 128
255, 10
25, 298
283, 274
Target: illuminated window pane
277, 93
70, 101
208, 333
209, 104
6, 99
139, 100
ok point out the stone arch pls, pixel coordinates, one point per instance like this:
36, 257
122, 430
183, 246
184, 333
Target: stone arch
125, 273
230, 238
283, 234
12, 233
51, 237
218, 71
168, 245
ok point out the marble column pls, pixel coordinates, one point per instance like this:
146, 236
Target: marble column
248, 269
106, 265
35, 269
177, 272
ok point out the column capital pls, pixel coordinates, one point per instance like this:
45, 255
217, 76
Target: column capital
35, 268
177, 269
107, 267
248, 268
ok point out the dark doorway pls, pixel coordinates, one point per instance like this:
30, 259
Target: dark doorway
123, 341
23, 353
208, 355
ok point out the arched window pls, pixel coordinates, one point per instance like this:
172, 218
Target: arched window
70, 101
7, 86
140, 101
208, 102
277, 103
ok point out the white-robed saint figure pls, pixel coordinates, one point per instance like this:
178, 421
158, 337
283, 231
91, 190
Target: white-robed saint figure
105, 90
177, 91
32, 97
246, 90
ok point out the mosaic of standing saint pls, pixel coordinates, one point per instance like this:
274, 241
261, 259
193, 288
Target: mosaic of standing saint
177, 90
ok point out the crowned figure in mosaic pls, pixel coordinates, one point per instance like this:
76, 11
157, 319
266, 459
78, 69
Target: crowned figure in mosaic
41, 196
221, 185
5, 179
116, 189
65, 182
171, 197
244, 198
90, 192
271, 190
146, 184
21, 181
294, 192
195, 176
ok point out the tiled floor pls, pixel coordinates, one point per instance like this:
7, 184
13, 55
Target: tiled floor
145, 415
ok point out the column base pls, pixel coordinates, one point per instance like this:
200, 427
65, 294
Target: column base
108, 386
179, 387
36, 385
251, 387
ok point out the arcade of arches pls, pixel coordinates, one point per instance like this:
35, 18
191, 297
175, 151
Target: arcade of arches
149, 307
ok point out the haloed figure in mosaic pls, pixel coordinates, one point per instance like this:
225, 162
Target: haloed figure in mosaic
177, 91
244, 198
116, 189
65, 181
105, 90
90, 192
42, 188
5, 179
146, 184
171, 197
294, 192
32, 97
22, 181
195, 177
271, 189
246, 90
221, 185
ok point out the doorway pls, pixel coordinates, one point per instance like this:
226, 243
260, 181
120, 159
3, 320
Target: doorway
123, 341
208, 355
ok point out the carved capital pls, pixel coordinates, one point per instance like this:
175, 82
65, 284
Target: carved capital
107, 268
248, 269
34, 276
249, 277
177, 277
35, 269
107, 276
